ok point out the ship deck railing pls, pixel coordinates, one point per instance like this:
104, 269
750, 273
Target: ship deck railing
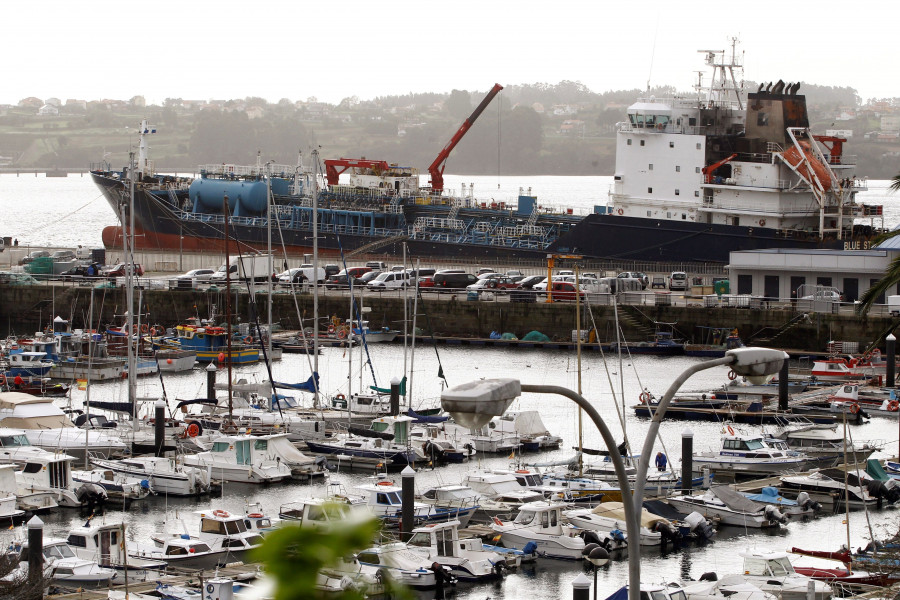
229, 170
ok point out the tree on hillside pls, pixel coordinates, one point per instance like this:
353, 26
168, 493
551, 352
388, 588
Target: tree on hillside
459, 104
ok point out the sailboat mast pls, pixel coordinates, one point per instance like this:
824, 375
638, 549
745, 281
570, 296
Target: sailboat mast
578, 363
269, 201
315, 282
128, 242
405, 309
846, 489
412, 344
226, 213
87, 393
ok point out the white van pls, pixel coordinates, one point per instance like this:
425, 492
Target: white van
389, 281
678, 280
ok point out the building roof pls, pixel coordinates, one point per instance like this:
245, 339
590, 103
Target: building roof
878, 251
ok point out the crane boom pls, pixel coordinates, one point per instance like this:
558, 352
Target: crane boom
437, 167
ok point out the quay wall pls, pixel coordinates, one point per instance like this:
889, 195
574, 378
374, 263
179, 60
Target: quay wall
25, 309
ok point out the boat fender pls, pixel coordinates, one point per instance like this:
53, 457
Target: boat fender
762, 222
732, 375
621, 212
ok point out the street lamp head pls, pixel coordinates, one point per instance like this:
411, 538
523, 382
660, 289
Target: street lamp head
598, 556
758, 365
473, 404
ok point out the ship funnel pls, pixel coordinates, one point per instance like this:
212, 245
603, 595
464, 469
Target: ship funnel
778, 87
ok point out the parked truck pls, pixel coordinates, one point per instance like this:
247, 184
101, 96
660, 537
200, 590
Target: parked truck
893, 303
254, 267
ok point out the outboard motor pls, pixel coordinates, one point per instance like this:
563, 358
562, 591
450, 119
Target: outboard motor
92, 497
700, 525
774, 515
893, 488
530, 548
807, 503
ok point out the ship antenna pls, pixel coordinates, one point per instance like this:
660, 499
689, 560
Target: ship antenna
653, 52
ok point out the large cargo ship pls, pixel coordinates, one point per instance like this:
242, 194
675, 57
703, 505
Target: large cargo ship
696, 178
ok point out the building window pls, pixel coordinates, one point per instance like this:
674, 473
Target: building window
696, 193
672, 144
649, 190
678, 168
650, 167
629, 141
648, 214
668, 215
824, 281
683, 217
696, 169
642, 142
698, 145
692, 121
677, 192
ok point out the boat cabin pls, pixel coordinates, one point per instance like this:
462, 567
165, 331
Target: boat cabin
222, 529
315, 512
767, 564
442, 538
749, 447
397, 426
543, 517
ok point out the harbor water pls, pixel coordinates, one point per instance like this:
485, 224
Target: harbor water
601, 381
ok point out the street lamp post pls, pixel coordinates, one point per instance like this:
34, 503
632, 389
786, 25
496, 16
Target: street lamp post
473, 405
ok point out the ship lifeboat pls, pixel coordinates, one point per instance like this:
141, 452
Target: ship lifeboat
795, 157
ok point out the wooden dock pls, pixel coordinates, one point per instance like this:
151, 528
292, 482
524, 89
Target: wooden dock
236, 572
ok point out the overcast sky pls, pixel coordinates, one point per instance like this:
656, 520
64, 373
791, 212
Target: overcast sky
224, 49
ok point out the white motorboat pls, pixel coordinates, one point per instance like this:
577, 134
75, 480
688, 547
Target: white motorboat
743, 454
729, 507
65, 568
500, 487
175, 360
243, 459
372, 336
181, 551
803, 507
733, 587
104, 543
384, 500
47, 427
117, 485
527, 428
827, 486
541, 523
822, 443
401, 564
316, 512
440, 543
25, 499
440, 445
610, 516
51, 473
453, 496
8, 499
387, 440
166, 475
773, 573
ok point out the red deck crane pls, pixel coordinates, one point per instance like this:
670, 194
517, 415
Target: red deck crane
437, 167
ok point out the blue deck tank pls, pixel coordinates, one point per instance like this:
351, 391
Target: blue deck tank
246, 198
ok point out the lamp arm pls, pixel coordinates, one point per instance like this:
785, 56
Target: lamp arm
643, 464
633, 529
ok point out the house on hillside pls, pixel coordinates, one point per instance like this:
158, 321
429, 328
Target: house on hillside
48, 110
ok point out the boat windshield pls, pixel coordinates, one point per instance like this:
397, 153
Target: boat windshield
753, 444
9, 441
525, 517
781, 566
420, 539
58, 551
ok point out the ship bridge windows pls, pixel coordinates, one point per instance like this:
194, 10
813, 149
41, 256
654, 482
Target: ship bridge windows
677, 168
628, 142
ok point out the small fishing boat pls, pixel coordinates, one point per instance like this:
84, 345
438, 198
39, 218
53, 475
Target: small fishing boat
541, 523
748, 455
387, 441
117, 485
729, 507
166, 475
105, 544
835, 369
773, 573
64, 567
501, 487
243, 458
822, 444
384, 500
401, 564
466, 559
609, 516
803, 507
827, 487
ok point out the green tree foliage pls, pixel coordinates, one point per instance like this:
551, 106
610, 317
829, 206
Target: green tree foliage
294, 555
459, 104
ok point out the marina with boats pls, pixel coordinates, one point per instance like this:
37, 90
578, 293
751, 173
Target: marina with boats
223, 440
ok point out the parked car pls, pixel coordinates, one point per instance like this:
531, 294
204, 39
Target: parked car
118, 270
389, 281
331, 270
563, 291
530, 281
355, 272
514, 273
81, 271
426, 281
484, 270
298, 275
191, 279
642, 277
419, 273
678, 280
658, 282
345, 277
377, 265
498, 284
453, 280
35, 254
365, 278
63, 255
